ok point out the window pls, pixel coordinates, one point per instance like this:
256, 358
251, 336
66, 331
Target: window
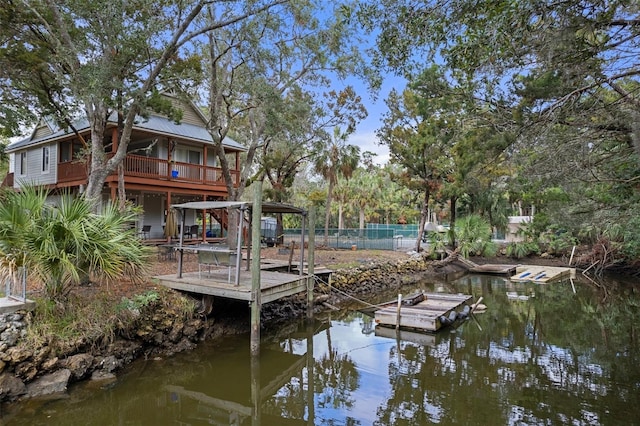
194, 157
23, 163
65, 151
45, 159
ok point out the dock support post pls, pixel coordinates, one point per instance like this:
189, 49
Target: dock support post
256, 304
310, 376
398, 311
311, 278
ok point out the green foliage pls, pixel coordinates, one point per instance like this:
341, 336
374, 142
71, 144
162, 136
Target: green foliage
521, 249
78, 322
631, 246
139, 301
473, 234
64, 243
557, 241
438, 242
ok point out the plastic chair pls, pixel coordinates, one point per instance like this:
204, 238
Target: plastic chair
191, 231
145, 232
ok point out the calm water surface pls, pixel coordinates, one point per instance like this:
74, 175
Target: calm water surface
557, 357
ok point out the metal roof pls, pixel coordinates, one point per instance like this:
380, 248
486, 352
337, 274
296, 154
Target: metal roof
153, 123
213, 205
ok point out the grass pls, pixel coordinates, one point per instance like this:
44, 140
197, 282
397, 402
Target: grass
96, 320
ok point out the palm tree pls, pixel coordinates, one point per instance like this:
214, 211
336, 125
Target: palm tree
63, 243
337, 158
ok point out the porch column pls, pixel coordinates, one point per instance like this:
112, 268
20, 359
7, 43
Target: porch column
168, 210
114, 139
204, 220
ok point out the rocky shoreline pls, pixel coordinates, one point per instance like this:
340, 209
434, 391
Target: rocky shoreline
161, 330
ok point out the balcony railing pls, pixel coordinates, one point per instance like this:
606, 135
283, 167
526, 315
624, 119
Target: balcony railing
153, 168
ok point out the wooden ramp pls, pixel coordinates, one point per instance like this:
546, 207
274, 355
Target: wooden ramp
494, 269
541, 274
425, 315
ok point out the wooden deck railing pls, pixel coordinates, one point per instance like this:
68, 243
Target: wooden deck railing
153, 168
72, 171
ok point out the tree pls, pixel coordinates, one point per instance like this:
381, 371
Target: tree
61, 244
254, 66
293, 128
560, 77
334, 158
420, 129
365, 193
69, 59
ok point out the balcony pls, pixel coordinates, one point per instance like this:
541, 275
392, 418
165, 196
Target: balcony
150, 170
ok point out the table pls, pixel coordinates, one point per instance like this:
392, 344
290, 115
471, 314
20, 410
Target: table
212, 254
167, 251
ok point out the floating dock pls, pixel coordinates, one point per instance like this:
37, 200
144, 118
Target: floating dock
541, 274
429, 315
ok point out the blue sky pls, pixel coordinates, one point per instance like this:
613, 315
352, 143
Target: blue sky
365, 136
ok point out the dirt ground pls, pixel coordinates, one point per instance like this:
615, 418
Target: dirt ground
331, 258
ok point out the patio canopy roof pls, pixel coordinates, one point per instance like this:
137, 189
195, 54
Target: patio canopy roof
216, 205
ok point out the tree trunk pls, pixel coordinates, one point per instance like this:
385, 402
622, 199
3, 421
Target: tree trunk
327, 213
424, 214
452, 225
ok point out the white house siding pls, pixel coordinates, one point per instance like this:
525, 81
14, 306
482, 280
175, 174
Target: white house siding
153, 214
34, 174
41, 131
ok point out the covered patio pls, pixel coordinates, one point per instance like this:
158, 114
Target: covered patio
236, 268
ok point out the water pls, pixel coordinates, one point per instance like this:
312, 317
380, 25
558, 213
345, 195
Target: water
554, 358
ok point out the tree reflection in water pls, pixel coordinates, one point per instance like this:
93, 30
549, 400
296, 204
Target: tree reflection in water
556, 358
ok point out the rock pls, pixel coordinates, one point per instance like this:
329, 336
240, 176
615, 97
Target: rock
51, 383
26, 370
49, 364
10, 336
103, 376
16, 355
176, 333
109, 364
11, 387
78, 365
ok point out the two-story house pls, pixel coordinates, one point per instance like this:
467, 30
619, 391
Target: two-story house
167, 163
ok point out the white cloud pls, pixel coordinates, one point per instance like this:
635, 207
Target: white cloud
368, 141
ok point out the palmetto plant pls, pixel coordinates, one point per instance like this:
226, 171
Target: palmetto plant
62, 243
473, 233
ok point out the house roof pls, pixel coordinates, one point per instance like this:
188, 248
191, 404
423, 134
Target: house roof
153, 123
213, 205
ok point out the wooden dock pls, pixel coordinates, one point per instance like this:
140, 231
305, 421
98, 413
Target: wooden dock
427, 315
494, 269
541, 274
11, 304
273, 285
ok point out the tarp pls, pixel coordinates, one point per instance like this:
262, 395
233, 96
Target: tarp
213, 205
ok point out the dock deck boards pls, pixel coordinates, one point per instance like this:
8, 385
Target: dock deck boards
425, 315
541, 274
273, 285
